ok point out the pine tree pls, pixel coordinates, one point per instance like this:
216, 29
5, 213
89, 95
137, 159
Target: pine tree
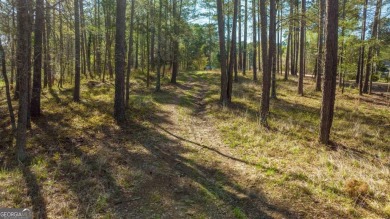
329, 91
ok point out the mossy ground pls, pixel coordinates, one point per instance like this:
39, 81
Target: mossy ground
181, 155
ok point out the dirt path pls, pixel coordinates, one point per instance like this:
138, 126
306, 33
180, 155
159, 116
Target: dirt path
233, 182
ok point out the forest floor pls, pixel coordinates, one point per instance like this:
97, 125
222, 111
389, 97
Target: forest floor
181, 155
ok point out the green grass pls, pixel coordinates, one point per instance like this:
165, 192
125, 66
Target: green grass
238, 213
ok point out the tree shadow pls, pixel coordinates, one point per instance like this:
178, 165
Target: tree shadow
378, 99
35, 192
206, 147
87, 166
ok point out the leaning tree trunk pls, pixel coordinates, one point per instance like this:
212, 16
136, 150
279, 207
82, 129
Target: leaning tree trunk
329, 91
7, 91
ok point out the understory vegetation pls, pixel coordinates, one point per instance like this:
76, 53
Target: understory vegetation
180, 154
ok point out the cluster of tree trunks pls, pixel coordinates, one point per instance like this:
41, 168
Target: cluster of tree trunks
157, 43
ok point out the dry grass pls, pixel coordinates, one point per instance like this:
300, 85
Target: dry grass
292, 160
180, 155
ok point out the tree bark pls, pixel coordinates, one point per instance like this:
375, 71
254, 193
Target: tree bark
362, 49
129, 56
342, 71
266, 70
120, 54
22, 72
254, 43
222, 51
37, 77
287, 67
302, 49
320, 46
239, 37
175, 61
48, 48
374, 32
76, 91
7, 88
232, 52
245, 39
329, 91
272, 47
159, 55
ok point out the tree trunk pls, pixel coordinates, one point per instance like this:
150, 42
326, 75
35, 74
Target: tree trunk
239, 37
48, 55
98, 52
244, 62
83, 39
37, 78
136, 47
152, 40
287, 68
120, 54
13, 46
232, 52
61, 54
254, 43
329, 91
175, 61
258, 26
362, 49
76, 91
159, 55
266, 70
293, 38
342, 71
302, 49
320, 46
272, 47
222, 51
7, 90
129, 56
22, 72
147, 48
374, 32
296, 40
